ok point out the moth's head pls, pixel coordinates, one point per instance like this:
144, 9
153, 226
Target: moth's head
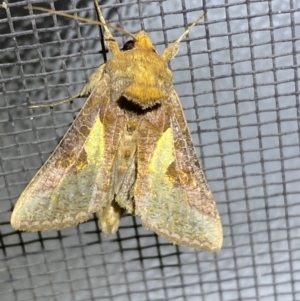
142, 40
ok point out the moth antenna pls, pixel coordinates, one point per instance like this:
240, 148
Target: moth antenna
171, 51
190, 27
4, 5
101, 33
87, 20
99, 13
108, 37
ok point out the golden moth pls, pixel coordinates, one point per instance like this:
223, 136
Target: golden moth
129, 149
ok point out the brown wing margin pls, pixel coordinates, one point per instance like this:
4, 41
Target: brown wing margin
171, 193
74, 181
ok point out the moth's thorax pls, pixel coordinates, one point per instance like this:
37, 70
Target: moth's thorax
148, 77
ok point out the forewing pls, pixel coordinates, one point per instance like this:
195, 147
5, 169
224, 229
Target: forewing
75, 180
171, 193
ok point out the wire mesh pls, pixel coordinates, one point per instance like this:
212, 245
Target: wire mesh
237, 77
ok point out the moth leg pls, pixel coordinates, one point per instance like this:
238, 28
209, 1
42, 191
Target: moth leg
172, 50
89, 87
93, 81
108, 37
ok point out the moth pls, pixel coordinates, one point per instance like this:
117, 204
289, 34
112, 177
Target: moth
129, 149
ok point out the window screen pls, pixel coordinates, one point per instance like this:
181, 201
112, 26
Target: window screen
237, 77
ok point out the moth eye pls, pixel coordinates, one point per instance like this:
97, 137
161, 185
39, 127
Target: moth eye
128, 45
